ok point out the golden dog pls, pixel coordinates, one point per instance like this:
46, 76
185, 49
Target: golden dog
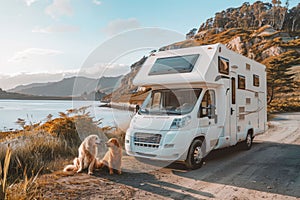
87, 155
113, 157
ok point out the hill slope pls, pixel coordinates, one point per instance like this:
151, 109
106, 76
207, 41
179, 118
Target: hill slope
262, 36
75, 86
18, 96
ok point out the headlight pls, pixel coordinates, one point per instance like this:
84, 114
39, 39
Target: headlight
180, 122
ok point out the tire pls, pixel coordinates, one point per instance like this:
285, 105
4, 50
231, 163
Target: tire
194, 158
247, 144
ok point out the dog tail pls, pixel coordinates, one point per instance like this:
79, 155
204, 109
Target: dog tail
69, 168
99, 164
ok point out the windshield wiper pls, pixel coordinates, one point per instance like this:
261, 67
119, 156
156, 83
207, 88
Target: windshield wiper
173, 112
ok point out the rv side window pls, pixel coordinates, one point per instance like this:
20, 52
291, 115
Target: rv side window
233, 90
223, 65
173, 65
255, 80
208, 105
241, 82
156, 100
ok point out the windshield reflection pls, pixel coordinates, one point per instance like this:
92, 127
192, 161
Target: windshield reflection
170, 102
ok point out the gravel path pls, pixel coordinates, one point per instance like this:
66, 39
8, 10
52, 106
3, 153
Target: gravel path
270, 170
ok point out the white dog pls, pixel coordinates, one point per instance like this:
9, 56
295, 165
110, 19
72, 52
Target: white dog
87, 155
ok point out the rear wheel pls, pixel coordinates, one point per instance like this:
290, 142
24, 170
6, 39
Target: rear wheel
194, 158
247, 144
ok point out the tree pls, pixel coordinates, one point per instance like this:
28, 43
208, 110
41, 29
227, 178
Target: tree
276, 2
280, 80
191, 33
287, 4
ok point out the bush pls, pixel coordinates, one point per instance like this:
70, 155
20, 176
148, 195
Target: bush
44, 148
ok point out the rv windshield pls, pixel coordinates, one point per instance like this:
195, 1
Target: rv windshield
170, 102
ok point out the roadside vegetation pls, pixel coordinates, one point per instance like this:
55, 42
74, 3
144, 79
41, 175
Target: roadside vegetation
43, 148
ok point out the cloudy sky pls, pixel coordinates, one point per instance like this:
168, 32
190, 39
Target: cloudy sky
46, 40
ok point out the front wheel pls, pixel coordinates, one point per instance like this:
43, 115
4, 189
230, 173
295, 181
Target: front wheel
194, 158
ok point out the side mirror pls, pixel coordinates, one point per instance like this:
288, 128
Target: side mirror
137, 108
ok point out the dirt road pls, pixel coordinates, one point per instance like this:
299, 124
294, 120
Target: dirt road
270, 170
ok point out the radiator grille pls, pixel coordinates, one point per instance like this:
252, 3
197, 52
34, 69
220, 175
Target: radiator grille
147, 140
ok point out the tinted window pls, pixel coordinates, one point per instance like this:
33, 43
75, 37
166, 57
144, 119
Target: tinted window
208, 105
256, 80
233, 90
173, 65
241, 82
223, 65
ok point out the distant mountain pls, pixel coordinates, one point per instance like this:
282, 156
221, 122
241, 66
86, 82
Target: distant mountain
25, 87
13, 95
74, 86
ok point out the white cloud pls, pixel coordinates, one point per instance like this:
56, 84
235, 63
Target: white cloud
10, 82
104, 69
29, 53
29, 2
120, 25
56, 29
97, 2
59, 8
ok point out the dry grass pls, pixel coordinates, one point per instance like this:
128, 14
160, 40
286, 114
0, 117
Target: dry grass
38, 154
41, 149
4, 171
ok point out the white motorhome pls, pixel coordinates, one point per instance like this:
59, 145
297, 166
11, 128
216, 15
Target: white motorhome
202, 98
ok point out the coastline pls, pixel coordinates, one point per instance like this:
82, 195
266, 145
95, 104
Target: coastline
19, 96
34, 111
37, 98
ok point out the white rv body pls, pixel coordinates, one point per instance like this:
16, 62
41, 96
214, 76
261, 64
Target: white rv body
234, 84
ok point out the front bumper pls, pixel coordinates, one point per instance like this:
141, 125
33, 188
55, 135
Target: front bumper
172, 146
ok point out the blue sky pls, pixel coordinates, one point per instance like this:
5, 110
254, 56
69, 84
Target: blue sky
59, 36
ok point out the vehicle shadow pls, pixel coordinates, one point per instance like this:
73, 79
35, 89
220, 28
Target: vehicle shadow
149, 183
268, 167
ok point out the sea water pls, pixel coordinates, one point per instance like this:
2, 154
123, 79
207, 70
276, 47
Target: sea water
33, 111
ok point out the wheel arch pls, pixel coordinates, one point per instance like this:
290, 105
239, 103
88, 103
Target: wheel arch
251, 131
200, 137
185, 154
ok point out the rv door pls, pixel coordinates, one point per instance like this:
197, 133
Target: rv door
233, 110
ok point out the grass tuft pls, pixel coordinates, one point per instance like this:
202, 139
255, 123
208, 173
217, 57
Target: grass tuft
39, 149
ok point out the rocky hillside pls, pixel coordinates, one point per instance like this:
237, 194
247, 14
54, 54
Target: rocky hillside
256, 15
127, 91
268, 33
